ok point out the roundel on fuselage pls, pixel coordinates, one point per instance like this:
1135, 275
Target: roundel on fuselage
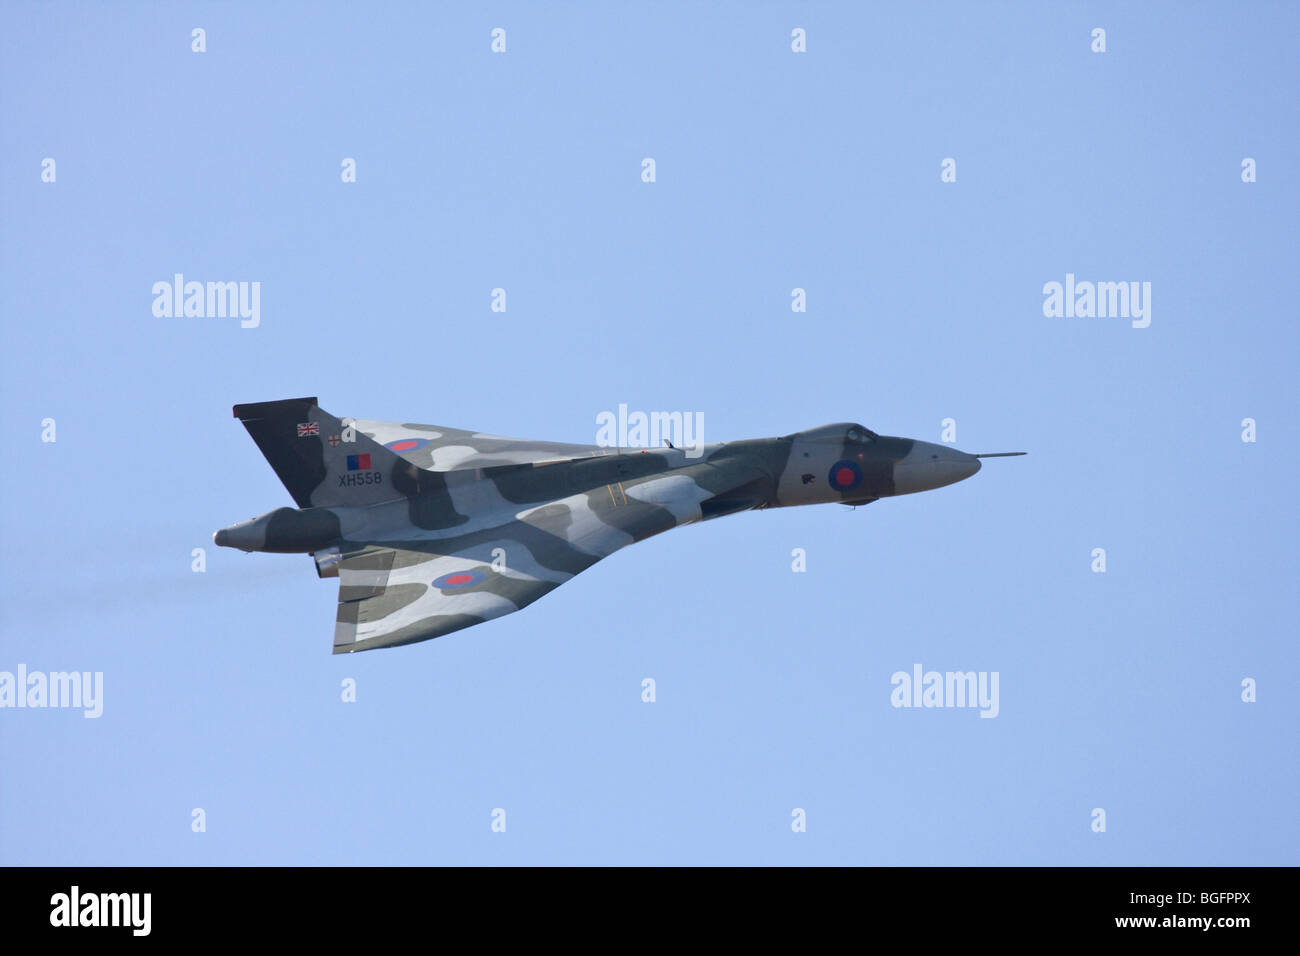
844, 475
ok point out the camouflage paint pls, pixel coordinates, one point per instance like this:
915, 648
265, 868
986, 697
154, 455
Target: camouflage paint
403, 507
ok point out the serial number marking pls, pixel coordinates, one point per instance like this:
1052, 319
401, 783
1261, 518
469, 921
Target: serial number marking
360, 478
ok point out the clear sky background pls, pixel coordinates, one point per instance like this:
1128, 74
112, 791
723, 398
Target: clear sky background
775, 170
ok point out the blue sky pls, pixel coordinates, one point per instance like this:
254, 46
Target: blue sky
774, 170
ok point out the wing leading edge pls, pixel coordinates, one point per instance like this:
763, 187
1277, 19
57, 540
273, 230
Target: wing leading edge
439, 448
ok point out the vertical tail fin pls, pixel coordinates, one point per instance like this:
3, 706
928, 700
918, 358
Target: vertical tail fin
320, 459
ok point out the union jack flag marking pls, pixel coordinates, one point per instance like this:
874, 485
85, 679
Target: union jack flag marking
307, 429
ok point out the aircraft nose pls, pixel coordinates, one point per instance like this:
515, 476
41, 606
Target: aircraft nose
221, 538
929, 466
960, 465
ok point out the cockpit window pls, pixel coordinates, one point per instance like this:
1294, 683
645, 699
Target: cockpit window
859, 434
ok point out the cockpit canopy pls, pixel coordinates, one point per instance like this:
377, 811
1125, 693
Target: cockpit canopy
839, 432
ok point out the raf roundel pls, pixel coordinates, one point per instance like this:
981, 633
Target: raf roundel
407, 444
458, 579
845, 475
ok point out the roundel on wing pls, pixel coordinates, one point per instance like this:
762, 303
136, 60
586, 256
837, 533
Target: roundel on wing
407, 444
459, 579
845, 475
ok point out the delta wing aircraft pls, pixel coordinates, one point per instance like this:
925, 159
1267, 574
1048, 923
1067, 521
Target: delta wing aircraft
432, 529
